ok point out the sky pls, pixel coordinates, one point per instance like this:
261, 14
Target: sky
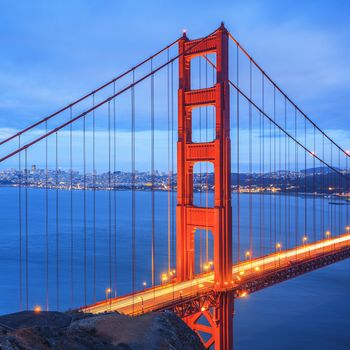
52, 52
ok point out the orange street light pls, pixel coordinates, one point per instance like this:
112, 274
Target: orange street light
108, 293
37, 309
247, 254
243, 294
164, 277
328, 234
304, 239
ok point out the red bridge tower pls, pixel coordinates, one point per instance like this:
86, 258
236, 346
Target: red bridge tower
189, 217
218, 219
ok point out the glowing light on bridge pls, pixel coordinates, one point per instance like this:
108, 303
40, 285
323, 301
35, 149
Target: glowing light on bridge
37, 309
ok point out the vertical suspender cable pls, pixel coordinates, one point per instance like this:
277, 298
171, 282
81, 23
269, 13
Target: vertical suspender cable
323, 184
274, 168
57, 230
314, 188
270, 196
238, 165
71, 212
250, 162
169, 176
20, 180
114, 194
347, 190
109, 199
331, 192
286, 174
26, 228
133, 200
94, 196
46, 223
259, 183
289, 190
152, 182
84, 211
172, 163
263, 165
297, 187
305, 181
340, 186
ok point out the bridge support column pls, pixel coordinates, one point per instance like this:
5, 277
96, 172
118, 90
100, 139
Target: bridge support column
214, 321
217, 219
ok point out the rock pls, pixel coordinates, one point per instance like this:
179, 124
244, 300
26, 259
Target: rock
110, 331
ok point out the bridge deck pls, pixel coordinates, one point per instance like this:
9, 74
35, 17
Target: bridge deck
242, 274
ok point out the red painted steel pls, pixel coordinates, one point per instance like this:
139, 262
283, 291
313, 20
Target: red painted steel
214, 322
219, 218
189, 218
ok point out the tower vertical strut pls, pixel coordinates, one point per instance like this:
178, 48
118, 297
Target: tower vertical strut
217, 219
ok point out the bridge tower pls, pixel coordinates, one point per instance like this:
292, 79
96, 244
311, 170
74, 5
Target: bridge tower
189, 217
218, 313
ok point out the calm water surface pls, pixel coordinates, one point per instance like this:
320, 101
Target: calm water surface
309, 312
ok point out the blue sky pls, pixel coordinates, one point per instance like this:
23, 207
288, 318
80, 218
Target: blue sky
54, 51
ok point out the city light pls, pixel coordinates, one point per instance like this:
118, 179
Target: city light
304, 239
278, 246
328, 233
247, 254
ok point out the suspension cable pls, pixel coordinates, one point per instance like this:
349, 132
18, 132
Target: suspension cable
287, 133
114, 80
239, 46
128, 87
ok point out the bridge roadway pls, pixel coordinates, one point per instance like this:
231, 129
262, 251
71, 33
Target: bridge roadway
173, 293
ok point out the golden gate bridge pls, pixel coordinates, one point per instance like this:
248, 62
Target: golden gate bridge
264, 219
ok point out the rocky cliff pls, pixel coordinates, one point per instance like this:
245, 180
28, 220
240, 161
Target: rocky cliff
77, 331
